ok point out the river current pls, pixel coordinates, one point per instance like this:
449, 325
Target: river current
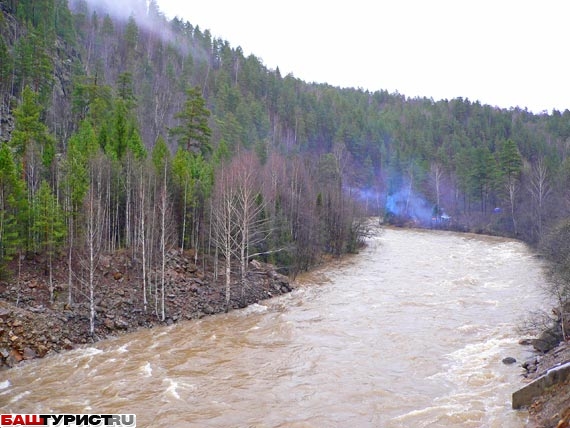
410, 332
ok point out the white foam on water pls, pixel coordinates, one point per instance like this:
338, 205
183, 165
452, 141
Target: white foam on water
147, 370
256, 308
474, 371
470, 328
172, 388
19, 396
88, 352
429, 415
5, 384
497, 285
476, 354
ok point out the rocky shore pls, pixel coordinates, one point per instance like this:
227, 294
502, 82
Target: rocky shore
552, 408
31, 326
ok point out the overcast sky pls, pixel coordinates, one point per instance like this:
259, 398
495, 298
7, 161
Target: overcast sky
501, 52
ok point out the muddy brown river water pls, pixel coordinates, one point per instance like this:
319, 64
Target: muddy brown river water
409, 333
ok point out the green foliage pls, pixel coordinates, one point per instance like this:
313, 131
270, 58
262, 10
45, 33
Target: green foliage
125, 90
222, 153
123, 134
12, 207
160, 156
49, 224
33, 63
131, 35
5, 66
82, 147
90, 100
194, 133
135, 145
130, 85
30, 131
483, 175
510, 160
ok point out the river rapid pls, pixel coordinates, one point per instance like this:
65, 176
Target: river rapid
410, 332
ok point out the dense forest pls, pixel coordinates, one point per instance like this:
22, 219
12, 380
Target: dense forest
132, 132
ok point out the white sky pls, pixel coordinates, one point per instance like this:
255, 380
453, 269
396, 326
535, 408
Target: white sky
501, 52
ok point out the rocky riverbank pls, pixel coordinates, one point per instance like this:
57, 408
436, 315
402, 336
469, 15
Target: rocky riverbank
552, 408
31, 326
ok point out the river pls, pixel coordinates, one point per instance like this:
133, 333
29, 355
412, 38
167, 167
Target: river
410, 332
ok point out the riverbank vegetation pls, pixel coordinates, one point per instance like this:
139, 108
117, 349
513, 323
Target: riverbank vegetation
127, 132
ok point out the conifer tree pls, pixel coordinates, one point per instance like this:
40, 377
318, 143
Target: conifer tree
49, 227
510, 164
194, 133
82, 147
29, 134
13, 205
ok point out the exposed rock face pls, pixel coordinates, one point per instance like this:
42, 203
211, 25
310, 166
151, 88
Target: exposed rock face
63, 56
36, 327
8, 31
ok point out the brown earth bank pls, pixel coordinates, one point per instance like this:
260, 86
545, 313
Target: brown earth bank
31, 326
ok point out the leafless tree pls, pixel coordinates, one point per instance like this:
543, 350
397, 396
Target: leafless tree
94, 215
224, 228
165, 218
237, 210
512, 187
142, 235
540, 189
436, 178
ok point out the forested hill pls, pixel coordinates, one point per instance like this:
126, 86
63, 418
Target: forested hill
155, 120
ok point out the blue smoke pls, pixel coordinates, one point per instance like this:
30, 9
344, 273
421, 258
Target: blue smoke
406, 203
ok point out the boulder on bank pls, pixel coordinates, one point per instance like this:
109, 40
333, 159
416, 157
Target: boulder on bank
548, 340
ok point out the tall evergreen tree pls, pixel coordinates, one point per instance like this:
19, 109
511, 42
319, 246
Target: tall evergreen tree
49, 227
13, 204
510, 164
32, 143
194, 133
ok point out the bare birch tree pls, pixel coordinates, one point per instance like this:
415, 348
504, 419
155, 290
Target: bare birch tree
165, 214
539, 188
94, 215
436, 178
224, 228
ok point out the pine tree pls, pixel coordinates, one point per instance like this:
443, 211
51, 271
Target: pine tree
13, 205
510, 164
194, 133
